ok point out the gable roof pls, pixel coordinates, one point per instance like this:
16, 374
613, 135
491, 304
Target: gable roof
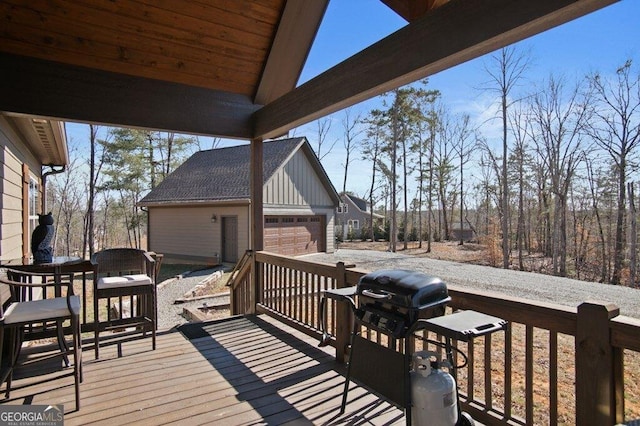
359, 203
223, 174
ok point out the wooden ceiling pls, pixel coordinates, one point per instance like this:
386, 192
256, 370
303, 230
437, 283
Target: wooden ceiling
230, 67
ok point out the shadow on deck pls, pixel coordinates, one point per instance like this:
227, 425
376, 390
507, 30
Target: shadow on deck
243, 370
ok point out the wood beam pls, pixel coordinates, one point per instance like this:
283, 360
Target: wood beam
296, 31
257, 218
257, 187
411, 10
451, 34
50, 89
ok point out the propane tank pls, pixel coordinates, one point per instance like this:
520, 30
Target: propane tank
433, 392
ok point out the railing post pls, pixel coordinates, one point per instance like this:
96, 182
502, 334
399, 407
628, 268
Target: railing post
344, 321
595, 369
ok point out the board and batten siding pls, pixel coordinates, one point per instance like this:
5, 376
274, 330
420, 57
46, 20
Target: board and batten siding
296, 184
13, 154
187, 234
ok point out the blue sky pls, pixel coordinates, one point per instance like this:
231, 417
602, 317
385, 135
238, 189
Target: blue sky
600, 42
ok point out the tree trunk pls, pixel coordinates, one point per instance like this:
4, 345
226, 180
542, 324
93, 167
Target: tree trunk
505, 187
90, 235
633, 237
405, 192
618, 253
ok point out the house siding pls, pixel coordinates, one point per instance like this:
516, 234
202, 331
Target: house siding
296, 184
13, 154
187, 233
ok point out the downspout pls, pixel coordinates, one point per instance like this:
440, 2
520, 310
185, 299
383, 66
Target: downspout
52, 171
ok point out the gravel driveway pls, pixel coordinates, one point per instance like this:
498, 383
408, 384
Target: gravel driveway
527, 285
169, 312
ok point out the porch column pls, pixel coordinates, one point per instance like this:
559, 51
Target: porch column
256, 220
595, 369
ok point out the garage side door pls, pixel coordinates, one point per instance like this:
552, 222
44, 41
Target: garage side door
294, 235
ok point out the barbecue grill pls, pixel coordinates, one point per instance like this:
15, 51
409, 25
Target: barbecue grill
397, 303
391, 301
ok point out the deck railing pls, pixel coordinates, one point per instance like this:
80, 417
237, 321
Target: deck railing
553, 365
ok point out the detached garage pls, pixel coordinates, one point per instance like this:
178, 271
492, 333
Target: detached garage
200, 213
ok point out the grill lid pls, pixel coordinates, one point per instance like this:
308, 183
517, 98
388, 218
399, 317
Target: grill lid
404, 288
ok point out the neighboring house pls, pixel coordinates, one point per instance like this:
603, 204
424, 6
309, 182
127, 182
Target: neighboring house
352, 215
201, 211
26, 144
467, 232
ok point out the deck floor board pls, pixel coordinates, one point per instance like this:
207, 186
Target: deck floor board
243, 371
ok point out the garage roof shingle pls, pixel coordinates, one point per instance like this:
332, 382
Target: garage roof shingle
220, 174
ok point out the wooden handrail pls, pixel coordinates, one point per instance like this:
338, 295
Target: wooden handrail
240, 270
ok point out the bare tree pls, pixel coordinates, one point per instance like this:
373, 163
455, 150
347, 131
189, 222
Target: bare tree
505, 71
595, 189
67, 208
351, 140
463, 148
371, 148
323, 127
633, 231
558, 119
444, 167
617, 131
96, 160
519, 125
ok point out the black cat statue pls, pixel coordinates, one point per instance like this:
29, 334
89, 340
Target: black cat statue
41, 239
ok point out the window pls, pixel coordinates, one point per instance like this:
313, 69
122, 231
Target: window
343, 208
34, 200
353, 224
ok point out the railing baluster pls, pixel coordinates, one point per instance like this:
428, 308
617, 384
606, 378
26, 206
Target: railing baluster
307, 291
488, 391
553, 378
287, 294
529, 374
508, 356
296, 295
470, 369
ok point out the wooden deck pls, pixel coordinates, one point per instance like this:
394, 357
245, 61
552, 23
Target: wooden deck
241, 371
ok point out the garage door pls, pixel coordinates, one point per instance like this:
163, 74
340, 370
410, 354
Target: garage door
294, 235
